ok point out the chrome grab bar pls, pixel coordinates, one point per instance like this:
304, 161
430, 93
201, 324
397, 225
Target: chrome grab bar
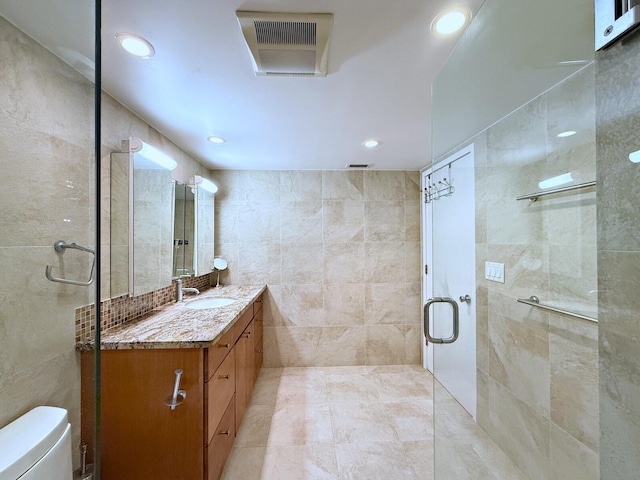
535, 302
456, 320
60, 246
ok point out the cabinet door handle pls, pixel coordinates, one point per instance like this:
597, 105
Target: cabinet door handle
223, 432
226, 377
226, 345
172, 400
247, 335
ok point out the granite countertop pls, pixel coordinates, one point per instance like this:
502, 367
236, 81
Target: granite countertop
175, 326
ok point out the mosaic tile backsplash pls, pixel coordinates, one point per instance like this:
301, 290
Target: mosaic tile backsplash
118, 310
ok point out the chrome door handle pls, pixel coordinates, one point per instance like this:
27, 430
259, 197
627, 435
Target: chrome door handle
456, 320
465, 298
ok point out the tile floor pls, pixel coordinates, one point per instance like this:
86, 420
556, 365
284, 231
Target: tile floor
357, 423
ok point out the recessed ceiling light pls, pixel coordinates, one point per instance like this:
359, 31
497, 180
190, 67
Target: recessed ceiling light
135, 45
450, 21
371, 143
216, 139
568, 133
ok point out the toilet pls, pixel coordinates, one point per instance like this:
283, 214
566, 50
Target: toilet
37, 446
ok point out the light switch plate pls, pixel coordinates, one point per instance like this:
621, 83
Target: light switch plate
494, 271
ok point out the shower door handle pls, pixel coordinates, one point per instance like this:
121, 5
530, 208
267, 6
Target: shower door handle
456, 320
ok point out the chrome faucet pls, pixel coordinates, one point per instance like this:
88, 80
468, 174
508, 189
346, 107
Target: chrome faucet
182, 290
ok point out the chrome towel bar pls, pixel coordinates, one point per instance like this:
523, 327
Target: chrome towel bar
535, 302
534, 196
60, 246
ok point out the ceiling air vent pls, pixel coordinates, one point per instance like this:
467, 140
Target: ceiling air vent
287, 44
357, 165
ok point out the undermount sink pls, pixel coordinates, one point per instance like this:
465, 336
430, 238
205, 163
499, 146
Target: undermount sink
209, 303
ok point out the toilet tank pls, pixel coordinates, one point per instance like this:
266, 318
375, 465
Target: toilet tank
37, 446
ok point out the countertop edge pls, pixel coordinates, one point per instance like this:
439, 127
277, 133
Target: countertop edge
84, 346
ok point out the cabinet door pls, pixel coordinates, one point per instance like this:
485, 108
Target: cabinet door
244, 371
141, 436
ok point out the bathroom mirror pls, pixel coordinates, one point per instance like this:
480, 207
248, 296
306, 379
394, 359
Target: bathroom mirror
193, 228
141, 203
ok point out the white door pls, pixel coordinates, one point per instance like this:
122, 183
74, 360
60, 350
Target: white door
449, 294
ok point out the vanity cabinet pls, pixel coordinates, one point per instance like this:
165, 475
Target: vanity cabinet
142, 437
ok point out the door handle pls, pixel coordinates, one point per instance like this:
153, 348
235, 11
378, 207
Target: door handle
456, 320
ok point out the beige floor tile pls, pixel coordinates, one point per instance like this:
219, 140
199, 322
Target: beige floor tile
362, 423
310, 388
354, 388
244, 464
308, 462
301, 424
256, 426
374, 461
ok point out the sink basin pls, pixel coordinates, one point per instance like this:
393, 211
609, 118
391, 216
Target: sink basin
209, 303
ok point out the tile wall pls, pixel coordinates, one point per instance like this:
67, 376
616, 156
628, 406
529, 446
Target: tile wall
340, 253
537, 371
618, 124
46, 193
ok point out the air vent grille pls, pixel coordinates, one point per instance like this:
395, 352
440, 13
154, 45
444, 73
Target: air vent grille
285, 33
287, 44
357, 165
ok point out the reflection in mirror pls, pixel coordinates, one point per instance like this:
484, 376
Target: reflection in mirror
141, 219
204, 210
183, 231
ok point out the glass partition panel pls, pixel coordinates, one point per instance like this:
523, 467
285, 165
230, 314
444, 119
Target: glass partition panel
526, 110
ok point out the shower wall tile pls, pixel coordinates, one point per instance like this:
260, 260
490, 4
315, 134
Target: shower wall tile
570, 458
338, 250
520, 431
618, 104
573, 358
517, 352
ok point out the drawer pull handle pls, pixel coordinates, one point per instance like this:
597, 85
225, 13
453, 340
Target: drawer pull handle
226, 377
226, 345
224, 432
247, 335
260, 351
173, 401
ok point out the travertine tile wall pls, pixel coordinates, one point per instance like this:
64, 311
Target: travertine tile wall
538, 371
340, 253
618, 121
46, 193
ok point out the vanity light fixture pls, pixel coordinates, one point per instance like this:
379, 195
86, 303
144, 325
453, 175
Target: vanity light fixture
450, 21
556, 181
635, 156
215, 139
135, 45
568, 133
152, 154
371, 143
204, 183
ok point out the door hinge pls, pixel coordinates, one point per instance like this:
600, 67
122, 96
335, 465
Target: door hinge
426, 269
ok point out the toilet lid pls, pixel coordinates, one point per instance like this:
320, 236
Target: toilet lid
27, 439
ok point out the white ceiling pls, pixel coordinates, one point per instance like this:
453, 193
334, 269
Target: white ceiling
382, 61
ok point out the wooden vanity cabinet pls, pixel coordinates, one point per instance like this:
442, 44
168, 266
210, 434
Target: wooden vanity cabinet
142, 437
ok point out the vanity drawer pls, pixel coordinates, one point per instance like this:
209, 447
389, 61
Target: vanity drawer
220, 390
242, 323
217, 353
221, 444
